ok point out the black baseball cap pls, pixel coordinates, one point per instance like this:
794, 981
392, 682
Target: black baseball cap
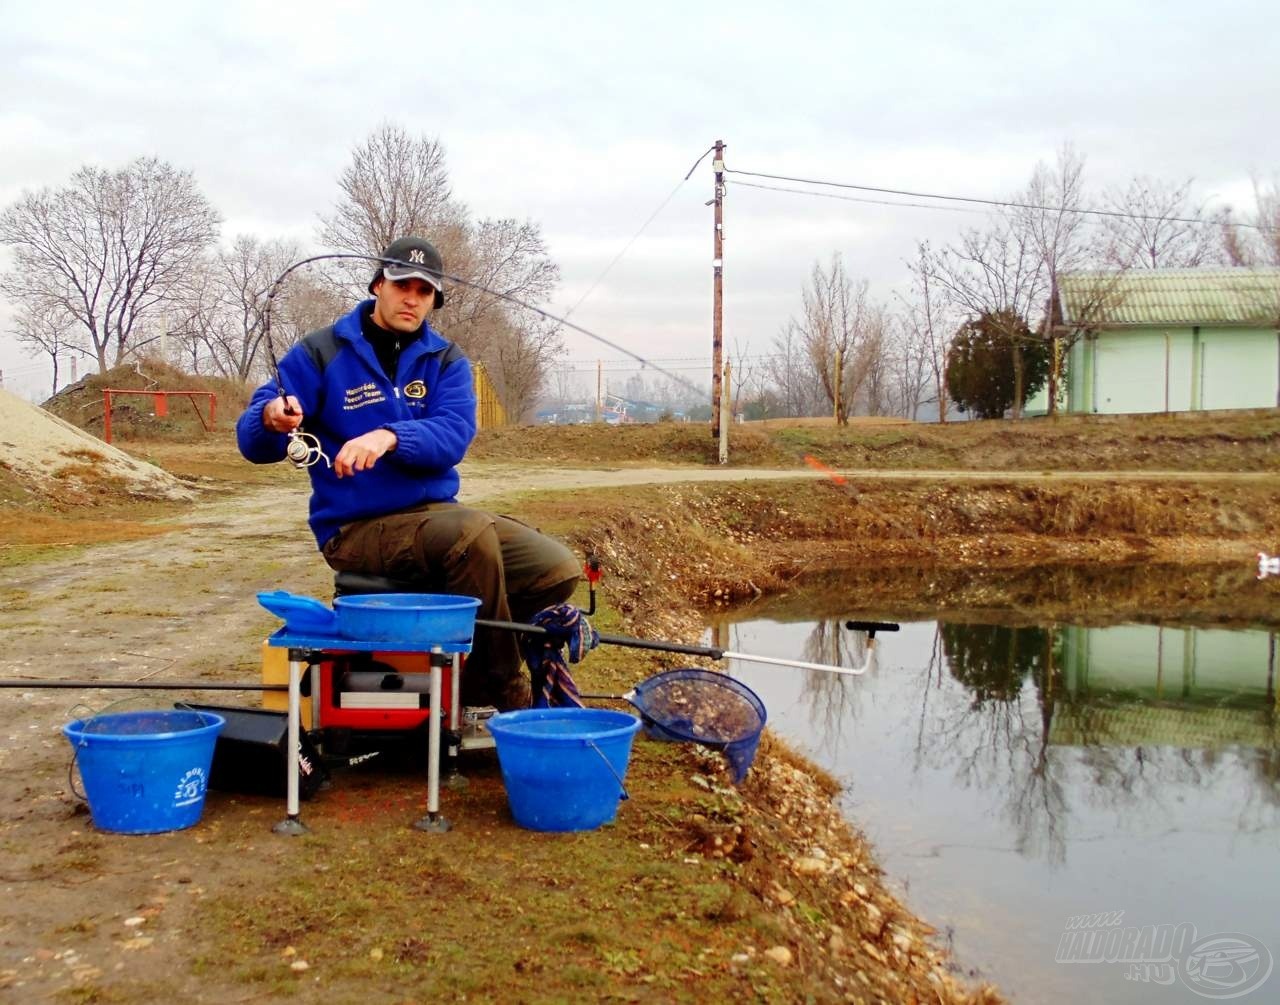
421, 261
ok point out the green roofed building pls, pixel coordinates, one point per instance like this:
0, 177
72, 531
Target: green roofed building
1169, 340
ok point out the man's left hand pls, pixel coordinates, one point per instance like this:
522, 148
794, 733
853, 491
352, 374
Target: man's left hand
361, 453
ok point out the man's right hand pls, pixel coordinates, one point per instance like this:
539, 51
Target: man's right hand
282, 415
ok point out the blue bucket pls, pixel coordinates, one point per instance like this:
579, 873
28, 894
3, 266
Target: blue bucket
563, 767
145, 772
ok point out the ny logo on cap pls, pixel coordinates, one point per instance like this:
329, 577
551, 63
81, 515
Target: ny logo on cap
416, 257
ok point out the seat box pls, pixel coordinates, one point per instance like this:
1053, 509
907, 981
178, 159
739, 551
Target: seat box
354, 690
251, 754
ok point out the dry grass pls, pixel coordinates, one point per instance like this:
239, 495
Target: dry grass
29, 536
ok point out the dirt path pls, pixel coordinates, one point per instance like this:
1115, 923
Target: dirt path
483, 481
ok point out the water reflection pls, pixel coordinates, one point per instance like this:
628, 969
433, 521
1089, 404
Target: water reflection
1021, 771
1147, 707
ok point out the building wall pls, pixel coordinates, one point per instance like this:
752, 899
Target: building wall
1240, 368
1156, 369
1170, 663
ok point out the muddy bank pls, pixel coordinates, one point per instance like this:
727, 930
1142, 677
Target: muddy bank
706, 544
1097, 594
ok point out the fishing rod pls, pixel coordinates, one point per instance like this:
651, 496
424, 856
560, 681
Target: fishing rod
711, 652
659, 645
169, 685
274, 290
304, 448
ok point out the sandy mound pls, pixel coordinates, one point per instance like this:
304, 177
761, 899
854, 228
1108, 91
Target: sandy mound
53, 457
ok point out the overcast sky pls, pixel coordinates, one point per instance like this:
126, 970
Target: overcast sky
584, 118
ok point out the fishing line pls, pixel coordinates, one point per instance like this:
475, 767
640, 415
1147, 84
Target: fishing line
276, 286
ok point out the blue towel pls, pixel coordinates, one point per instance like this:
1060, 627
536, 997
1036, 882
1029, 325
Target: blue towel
552, 684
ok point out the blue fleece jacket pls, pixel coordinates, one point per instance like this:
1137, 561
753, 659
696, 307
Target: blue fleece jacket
431, 407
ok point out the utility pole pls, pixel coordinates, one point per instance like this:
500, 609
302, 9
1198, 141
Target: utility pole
717, 308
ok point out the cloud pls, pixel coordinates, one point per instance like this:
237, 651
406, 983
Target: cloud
585, 118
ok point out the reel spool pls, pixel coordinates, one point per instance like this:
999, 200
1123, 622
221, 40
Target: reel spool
303, 450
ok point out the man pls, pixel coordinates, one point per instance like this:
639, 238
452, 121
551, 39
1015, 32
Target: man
392, 403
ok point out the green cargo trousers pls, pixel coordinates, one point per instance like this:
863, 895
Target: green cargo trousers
513, 569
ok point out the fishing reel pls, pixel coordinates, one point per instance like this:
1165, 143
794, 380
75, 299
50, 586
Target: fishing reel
304, 450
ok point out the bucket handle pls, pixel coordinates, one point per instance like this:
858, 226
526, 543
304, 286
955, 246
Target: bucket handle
609, 764
78, 711
71, 779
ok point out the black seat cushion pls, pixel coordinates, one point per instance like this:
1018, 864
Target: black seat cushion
345, 583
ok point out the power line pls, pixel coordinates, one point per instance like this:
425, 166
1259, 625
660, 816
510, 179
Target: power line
28, 370
854, 198
634, 237
692, 368
617, 364
656, 359
1005, 203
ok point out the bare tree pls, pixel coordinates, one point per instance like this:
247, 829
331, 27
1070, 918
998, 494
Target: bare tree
517, 344
996, 273
833, 329
929, 321
1160, 228
44, 327
874, 363
912, 367
396, 184
223, 302
306, 303
570, 388
747, 378
507, 257
792, 372
1254, 240
522, 357
107, 248
1050, 219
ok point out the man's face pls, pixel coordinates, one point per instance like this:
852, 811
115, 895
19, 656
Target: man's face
401, 305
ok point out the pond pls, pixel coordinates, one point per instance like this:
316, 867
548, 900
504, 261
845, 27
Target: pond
1087, 808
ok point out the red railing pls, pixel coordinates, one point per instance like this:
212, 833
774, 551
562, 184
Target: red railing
162, 405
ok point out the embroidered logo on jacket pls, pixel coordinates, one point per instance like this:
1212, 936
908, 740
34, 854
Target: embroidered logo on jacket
415, 389
365, 394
